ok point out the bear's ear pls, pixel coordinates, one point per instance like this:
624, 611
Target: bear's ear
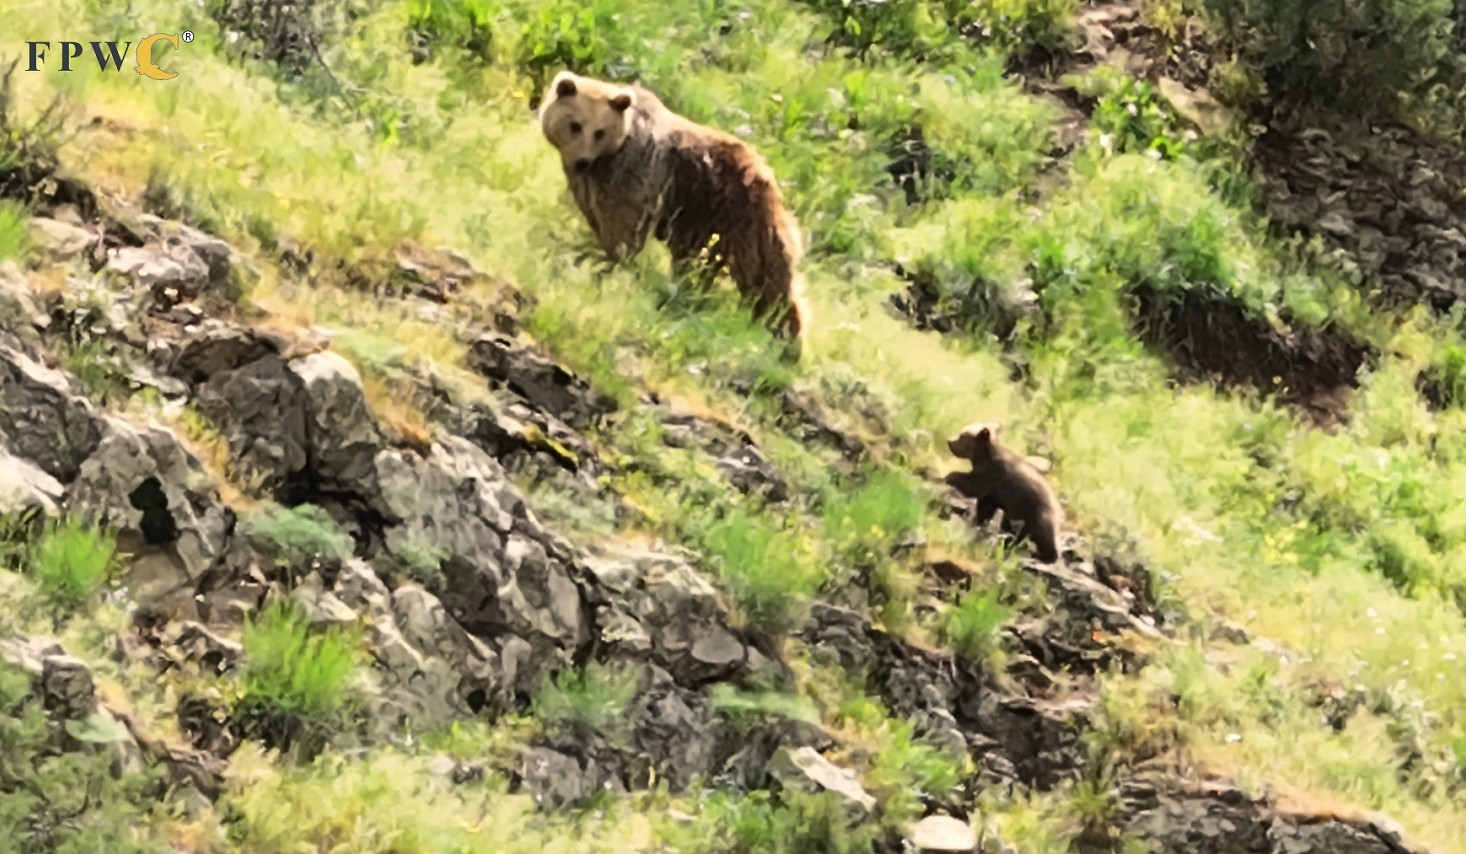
622, 102
984, 435
564, 84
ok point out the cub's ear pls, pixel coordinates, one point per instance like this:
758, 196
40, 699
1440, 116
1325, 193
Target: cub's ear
564, 84
985, 434
622, 102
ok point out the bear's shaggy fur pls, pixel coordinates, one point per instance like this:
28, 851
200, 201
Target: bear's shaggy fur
635, 168
1002, 480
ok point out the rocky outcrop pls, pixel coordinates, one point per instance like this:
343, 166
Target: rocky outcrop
1214, 817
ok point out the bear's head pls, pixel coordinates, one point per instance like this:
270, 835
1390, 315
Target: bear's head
974, 442
586, 119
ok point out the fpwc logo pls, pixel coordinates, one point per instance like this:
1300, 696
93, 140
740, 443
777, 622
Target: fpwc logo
109, 56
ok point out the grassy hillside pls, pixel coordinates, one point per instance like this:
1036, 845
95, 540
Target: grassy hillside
1061, 272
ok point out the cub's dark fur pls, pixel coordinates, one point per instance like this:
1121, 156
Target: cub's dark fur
1002, 480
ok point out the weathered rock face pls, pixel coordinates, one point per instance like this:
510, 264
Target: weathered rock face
144, 484
1385, 201
655, 605
1216, 818
1012, 738
43, 419
542, 382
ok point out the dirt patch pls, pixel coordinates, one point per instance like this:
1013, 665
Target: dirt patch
1215, 339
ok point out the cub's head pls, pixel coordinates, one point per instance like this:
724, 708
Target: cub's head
975, 441
586, 119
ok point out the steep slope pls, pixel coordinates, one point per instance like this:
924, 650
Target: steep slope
380, 545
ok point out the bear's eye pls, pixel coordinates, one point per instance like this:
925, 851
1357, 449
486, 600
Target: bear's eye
599, 135
575, 128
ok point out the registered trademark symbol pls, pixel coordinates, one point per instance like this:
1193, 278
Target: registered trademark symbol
187, 36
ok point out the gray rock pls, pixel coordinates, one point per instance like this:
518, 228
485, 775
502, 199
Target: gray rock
217, 347
19, 310
42, 419
263, 411
142, 482
67, 687
213, 652
542, 382
359, 587
655, 604
499, 577
556, 780
60, 240
321, 605
345, 438
23, 486
942, 833
805, 769
170, 272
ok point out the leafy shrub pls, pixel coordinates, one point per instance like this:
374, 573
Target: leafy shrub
64, 801
566, 34
1129, 116
463, 25
295, 684
297, 536
1360, 53
71, 561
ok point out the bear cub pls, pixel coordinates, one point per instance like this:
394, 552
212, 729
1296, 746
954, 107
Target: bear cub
637, 169
1002, 480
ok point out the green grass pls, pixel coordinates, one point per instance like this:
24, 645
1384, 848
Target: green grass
14, 234
296, 686
71, 561
1346, 548
590, 701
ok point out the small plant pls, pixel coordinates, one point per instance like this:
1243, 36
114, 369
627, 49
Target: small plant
299, 536
422, 559
101, 371
586, 703
972, 626
864, 527
295, 684
1130, 117
71, 561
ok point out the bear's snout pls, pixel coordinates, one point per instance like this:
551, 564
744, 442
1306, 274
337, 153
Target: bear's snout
582, 164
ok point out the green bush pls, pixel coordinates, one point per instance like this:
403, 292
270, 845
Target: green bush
1359, 53
295, 685
71, 561
64, 801
463, 25
297, 536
